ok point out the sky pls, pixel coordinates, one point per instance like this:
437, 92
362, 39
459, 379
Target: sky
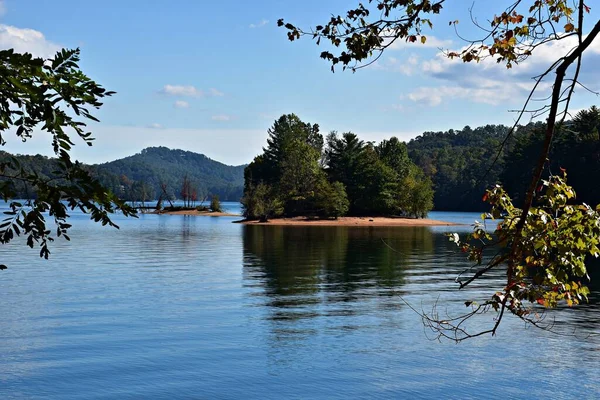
211, 77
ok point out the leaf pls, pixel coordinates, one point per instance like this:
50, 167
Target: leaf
423, 39
569, 27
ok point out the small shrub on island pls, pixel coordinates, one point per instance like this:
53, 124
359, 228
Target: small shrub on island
215, 204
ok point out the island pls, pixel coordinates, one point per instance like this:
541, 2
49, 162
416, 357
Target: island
350, 221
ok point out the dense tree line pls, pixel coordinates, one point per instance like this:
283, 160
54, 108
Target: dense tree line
302, 174
463, 163
575, 149
460, 163
143, 176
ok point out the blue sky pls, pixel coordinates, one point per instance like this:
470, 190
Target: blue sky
212, 76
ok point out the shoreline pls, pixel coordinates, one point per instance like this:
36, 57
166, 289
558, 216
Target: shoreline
195, 213
302, 221
351, 221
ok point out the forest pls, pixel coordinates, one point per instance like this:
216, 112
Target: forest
153, 172
300, 173
463, 163
142, 176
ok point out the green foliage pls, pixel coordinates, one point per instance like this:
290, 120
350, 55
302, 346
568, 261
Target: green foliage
341, 156
287, 133
300, 173
376, 185
395, 155
36, 93
331, 200
546, 261
576, 148
139, 177
366, 31
289, 165
215, 204
462, 163
345, 177
159, 165
514, 34
260, 202
286, 129
416, 193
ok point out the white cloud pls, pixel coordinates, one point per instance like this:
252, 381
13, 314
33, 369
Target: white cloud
182, 104
434, 96
216, 93
221, 117
24, 40
189, 91
491, 83
392, 64
156, 125
181, 90
262, 23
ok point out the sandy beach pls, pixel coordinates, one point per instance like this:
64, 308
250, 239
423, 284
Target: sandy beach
351, 221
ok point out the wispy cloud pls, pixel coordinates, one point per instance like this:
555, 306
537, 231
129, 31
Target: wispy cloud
182, 104
262, 23
181, 90
156, 125
393, 64
189, 91
2, 8
222, 117
24, 40
488, 82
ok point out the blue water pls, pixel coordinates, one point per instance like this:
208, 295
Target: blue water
199, 307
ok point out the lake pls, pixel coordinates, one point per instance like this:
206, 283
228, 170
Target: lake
198, 307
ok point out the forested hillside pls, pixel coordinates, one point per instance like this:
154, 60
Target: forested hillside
456, 161
462, 163
154, 166
141, 176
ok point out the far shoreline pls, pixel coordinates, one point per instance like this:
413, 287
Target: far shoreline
302, 221
194, 213
351, 221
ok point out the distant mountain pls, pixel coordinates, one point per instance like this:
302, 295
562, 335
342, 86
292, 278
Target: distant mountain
141, 176
154, 166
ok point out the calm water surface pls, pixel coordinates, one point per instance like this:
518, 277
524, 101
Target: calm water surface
198, 307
